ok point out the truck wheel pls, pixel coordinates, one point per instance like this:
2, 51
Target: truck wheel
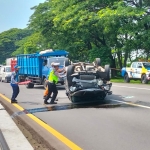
29, 85
62, 83
108, 72
144, 79
67, 62
97, 62
45, 83
70, 71
126, 78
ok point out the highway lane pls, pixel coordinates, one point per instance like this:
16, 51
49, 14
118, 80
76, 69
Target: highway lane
123, 127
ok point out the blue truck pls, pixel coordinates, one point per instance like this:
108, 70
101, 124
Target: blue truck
35, 67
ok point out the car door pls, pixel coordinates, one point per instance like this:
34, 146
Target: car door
138, 70
134, 70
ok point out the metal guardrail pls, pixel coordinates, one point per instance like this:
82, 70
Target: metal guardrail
3, 143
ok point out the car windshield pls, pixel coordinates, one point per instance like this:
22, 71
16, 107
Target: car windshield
146, 65
57, 60
8, 69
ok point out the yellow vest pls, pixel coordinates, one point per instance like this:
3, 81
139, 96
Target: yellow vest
52, 77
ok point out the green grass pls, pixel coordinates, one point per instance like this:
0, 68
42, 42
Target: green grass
121, 80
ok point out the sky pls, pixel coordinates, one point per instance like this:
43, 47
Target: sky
16, 13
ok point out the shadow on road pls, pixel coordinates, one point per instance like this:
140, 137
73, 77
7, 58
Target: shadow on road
42, 88
107, 103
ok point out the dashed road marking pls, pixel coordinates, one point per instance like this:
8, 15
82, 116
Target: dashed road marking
130, 103
132, 87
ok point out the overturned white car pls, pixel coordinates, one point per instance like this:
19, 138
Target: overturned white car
87, 81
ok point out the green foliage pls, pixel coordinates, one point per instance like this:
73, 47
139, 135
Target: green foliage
30, 44
9, 39
109, 29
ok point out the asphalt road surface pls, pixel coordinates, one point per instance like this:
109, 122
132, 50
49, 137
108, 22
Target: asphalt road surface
121, 122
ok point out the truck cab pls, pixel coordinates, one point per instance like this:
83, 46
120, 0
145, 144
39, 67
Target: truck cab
5, 74
47, 67
137, 71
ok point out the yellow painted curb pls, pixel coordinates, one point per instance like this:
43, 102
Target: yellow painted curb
62, 138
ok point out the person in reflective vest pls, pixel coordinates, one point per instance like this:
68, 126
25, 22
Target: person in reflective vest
46, 90
52, 81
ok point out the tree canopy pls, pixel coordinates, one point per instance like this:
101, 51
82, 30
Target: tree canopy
114, 30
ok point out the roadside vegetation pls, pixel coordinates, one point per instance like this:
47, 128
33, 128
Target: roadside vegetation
117, 31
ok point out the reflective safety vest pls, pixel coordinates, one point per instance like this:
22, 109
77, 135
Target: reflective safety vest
52, 77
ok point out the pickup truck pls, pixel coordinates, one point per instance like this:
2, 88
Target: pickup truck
137, 71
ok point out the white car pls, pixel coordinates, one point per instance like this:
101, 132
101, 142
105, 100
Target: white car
5, 73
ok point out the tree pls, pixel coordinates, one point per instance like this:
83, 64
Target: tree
30, 44
8, 41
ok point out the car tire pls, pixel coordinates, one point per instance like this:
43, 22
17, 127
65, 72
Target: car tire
97, 62
67, 62
70, 71
126, 78
108, 72
144, 79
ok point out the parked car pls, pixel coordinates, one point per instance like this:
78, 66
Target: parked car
5, 74
88, 81
137, 71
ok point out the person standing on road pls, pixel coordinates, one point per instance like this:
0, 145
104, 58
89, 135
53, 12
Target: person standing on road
52, 81
46, 90
14, 84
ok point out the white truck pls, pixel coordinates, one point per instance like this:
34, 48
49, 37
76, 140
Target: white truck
137, 71
8, 60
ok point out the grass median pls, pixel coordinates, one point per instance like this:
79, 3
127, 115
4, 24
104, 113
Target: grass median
121, 80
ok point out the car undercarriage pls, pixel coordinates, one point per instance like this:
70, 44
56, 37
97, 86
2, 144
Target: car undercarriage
87, 81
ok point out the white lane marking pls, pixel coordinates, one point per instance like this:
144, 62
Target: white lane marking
132, 87
130, 103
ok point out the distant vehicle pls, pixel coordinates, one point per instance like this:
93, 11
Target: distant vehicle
5, 74
8, 60
35, 67
137, 71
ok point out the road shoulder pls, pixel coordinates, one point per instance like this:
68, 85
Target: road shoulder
38, 133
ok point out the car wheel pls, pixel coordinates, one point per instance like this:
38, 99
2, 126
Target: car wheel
67, 62
144, 79
97, 62
126, 78
70, 71
108, 73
